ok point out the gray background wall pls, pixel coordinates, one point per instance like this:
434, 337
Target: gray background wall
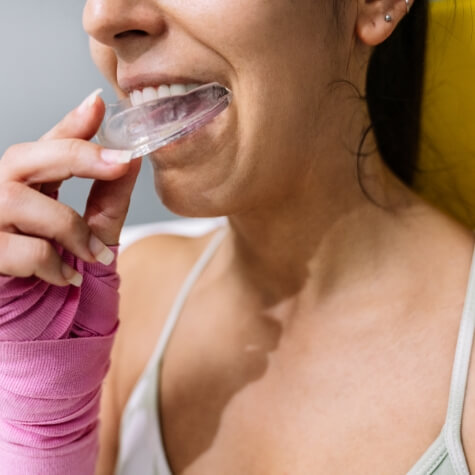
45, 72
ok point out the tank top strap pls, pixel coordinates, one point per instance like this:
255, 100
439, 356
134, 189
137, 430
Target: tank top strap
458, 384
180, 300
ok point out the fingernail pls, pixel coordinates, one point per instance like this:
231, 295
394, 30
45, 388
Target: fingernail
100, 251
116, 156
90, 100
71, 275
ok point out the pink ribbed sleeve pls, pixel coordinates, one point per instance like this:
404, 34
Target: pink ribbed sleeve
55, 344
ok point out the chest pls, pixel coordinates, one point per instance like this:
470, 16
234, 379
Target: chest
252, 398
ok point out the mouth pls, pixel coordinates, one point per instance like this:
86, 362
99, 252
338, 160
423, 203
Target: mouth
152, 123
140, 96
146, 87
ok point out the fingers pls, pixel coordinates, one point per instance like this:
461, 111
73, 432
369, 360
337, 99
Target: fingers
82, 122
108, 204
27, 211
25, 256
27, 171
58, 160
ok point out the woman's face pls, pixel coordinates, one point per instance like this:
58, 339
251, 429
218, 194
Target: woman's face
277, 56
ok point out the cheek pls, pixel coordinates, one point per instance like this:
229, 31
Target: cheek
243, 29
106, 61
276, 55
276, 51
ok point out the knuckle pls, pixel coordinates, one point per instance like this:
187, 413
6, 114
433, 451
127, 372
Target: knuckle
10, 152
10, 159
43, 253
102, 212
70, 220
7, 158
4, 245
4, 254
11, 264
73, 147
10, 193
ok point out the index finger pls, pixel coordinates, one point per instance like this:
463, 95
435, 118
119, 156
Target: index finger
59, 160
82, 122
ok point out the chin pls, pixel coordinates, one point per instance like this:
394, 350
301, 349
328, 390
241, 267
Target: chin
193, 176
189, 197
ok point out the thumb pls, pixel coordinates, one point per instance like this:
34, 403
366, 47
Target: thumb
108, 204
82, 122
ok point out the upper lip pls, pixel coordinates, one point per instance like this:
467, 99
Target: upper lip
132, 83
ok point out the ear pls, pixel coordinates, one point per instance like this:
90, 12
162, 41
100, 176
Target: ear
371, 26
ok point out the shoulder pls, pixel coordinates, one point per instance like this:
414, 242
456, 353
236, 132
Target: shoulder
155, 258
447, 250
194, 227
460, 246
468, 417
153, 265
468, 424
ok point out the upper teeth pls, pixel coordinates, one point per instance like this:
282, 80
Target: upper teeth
151, 93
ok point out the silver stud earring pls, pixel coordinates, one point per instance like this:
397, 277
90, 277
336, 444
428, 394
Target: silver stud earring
388, 18
408, 5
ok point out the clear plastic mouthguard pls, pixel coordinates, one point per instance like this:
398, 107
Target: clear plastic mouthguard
154, 124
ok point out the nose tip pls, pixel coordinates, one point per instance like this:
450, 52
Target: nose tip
110, 22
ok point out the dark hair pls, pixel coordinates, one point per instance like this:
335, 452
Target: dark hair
394, 91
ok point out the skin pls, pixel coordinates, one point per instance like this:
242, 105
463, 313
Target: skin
304, 248
325, 304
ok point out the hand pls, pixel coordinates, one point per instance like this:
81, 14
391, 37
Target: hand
30, 217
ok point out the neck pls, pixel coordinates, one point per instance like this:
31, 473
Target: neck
321, 240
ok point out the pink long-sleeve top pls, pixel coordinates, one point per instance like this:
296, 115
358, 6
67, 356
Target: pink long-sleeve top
55, 345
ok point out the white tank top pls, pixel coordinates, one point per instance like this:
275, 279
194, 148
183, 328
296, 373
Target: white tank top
142, 450
141, 446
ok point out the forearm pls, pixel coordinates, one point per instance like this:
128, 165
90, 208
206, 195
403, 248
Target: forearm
54, 352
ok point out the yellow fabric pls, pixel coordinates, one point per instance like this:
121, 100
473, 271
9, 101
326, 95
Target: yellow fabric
447, 159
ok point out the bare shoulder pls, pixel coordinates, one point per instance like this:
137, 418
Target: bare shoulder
459, 245
460, 250
468, 424
152, 271
450, 250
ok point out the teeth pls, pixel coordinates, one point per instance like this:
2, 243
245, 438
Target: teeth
189, 87
136, 98
177, 89
151, 93
164, 91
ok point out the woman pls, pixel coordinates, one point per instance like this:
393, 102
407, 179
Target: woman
317, 329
